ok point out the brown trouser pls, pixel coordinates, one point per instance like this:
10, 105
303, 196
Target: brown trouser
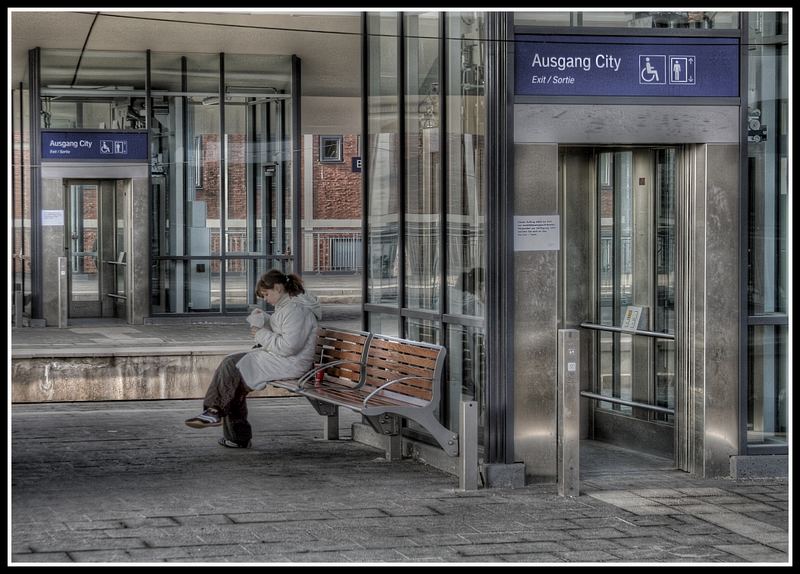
228, 393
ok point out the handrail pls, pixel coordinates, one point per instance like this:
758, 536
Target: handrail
383, 386
654, 334
324, 366
617, 401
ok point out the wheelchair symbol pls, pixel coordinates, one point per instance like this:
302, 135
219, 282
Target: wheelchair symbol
104, 147
651, 69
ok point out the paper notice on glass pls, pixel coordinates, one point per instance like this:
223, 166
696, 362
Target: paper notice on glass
631, 319
51, 217
537, 232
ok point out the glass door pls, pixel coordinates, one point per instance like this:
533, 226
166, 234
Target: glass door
83, 241
95, 237
635, 296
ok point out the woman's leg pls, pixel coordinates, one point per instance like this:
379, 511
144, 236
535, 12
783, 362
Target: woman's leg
224, 384
227, 393
234, 424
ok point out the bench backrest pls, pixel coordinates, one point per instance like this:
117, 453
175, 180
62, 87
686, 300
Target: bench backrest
390, 358
344, 345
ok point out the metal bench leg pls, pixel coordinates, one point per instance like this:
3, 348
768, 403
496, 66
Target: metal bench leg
330, 428
330, 414
390, 427
394, 447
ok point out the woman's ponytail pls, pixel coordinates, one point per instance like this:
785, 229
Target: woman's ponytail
291, 283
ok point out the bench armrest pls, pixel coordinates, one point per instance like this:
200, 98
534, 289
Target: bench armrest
310, 374
383, 386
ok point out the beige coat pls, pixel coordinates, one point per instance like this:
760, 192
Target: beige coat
287, 340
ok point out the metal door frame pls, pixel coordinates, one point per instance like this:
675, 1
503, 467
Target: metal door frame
107, 258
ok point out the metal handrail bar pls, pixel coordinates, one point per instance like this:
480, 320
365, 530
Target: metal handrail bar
589, 395
654, 334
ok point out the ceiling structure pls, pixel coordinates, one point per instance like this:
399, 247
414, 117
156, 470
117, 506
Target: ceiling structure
328, 43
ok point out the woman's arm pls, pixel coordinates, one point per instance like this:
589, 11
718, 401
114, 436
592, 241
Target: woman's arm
289, 332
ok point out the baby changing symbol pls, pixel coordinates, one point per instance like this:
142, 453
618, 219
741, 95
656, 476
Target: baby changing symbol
652, 69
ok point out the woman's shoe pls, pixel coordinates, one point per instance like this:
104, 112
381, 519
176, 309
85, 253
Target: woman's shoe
208, 418
230, 444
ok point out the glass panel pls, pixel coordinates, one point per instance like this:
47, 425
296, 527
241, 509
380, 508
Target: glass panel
466, 359
203, 214
699, 19
241, 276
185, 287
383, 324
768, 165
690, 20
423, 162
664, 309
466, 245
768, 168
83, 217
287, 187
203, 205
606, 272
119, 239
542, 18
767, 393
21, 205
605, 252
257, 76
623, 219
422, 330
165, 72
115, 113
606, 368
191, 195
238, 185
111, 76
636, 266
383, 217
95, 69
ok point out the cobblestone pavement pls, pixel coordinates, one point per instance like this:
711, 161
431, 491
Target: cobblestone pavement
129, 482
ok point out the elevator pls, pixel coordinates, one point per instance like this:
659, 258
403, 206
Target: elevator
627, 282
97, 237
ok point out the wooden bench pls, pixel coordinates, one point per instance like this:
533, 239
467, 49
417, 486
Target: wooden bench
384, 378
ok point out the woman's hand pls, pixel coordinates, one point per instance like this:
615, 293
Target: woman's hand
253, 331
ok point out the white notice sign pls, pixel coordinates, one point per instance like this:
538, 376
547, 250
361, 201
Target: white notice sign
52, 217
631, 319
536, 232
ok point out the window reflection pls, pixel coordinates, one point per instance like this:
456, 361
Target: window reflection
423, 162
767, 395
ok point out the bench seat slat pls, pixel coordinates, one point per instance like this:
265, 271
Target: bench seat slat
404, 347
410, 359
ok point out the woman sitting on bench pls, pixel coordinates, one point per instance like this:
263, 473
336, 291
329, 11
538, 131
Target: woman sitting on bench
286, 341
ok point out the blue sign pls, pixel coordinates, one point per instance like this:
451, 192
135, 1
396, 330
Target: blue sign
355, 164
94, 146
549, 65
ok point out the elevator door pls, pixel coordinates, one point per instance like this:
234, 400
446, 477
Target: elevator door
96, 236
634, 295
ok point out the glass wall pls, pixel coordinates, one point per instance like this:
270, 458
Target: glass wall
622, 19
426, 190
220, 159
92, 89
383, 162
21, 207
768, 196
218, 140
423, 162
